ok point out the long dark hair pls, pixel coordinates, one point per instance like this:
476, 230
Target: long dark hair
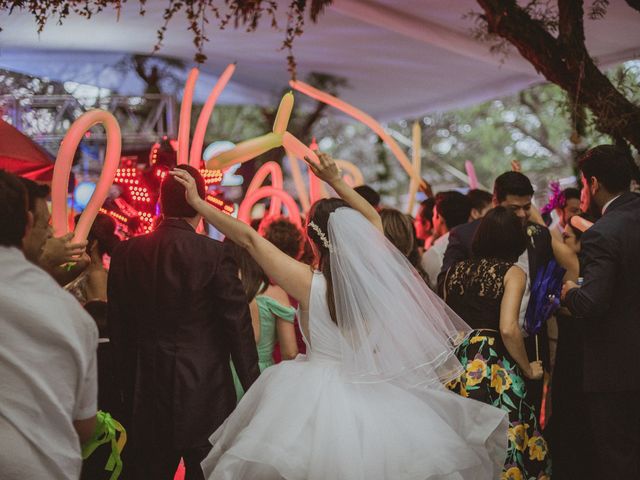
103, 231
319, 215
254, 280
500, 235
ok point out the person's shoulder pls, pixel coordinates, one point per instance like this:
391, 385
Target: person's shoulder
277, 293
54, 307
629, 208
536, 230
513, 273
466, 228
125, 245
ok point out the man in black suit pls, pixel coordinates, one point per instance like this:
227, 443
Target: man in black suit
512, 190
608, 303
177, 313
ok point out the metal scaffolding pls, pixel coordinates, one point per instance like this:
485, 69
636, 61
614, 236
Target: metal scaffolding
46, 118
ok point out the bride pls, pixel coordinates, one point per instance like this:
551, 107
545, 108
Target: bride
367, 401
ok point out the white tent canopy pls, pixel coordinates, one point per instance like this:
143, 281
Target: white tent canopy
400, 57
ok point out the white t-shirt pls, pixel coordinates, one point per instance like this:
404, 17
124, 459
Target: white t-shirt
523, 263
432, 259
48, 372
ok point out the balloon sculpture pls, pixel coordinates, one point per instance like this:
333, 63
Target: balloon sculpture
244, 213
278, 137
416, 152
194, 157
273, 169
580, 223
62, 169
362, 117
471, 173
112, 157
184, 126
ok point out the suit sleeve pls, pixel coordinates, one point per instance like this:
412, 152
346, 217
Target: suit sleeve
236, 321
456, 252
593, 299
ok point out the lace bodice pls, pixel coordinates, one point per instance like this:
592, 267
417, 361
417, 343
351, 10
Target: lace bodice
474, 289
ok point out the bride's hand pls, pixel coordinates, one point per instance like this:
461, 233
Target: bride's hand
188, 182
326, 170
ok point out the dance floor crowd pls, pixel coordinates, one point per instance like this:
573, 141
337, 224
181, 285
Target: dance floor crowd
484, 338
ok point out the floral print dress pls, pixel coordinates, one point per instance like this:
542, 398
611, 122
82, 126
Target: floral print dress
474, 289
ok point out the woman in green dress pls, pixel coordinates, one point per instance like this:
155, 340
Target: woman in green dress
271, 313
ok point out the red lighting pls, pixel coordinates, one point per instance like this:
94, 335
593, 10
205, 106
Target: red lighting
220, 204
211, 177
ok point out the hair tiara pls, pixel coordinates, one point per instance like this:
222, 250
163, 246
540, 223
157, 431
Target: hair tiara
321, 235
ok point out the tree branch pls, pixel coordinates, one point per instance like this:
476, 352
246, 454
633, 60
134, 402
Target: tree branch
533, 106
525, 131
570, 24
635, 4
567, 64
305, 130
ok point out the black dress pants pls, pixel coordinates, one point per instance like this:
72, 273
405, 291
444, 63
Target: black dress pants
614, 420
162, 464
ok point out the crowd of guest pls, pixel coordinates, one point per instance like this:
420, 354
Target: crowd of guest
168, 330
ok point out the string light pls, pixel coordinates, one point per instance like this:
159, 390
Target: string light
212, 177
220, 204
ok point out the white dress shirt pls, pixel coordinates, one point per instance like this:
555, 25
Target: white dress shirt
432, 259
47, 371
523, 263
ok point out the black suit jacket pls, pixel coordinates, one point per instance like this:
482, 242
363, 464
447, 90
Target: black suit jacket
177, 313
609, 301
459, 248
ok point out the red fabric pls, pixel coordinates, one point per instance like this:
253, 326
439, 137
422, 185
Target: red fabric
22, 156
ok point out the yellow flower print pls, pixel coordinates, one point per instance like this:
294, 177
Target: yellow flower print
537, 447
512, 473
454, 384
480, 338
500, 379
463, 391
476, 371
518, 436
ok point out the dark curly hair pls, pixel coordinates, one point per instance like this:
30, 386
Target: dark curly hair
284, 234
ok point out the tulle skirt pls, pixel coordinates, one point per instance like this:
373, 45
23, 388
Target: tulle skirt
301, 420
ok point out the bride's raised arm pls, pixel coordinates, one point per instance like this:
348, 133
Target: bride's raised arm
328, 171
293, 276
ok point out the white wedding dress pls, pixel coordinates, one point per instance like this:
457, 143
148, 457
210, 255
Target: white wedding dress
306, 420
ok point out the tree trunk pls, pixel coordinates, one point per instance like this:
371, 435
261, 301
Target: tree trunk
566, 62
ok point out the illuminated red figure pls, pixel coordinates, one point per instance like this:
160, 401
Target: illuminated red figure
136, 208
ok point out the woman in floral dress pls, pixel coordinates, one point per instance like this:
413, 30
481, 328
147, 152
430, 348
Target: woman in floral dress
486, 292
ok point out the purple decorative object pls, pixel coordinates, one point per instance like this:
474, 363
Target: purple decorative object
545, 296
556, 199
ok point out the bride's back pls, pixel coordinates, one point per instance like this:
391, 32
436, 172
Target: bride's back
320, 333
